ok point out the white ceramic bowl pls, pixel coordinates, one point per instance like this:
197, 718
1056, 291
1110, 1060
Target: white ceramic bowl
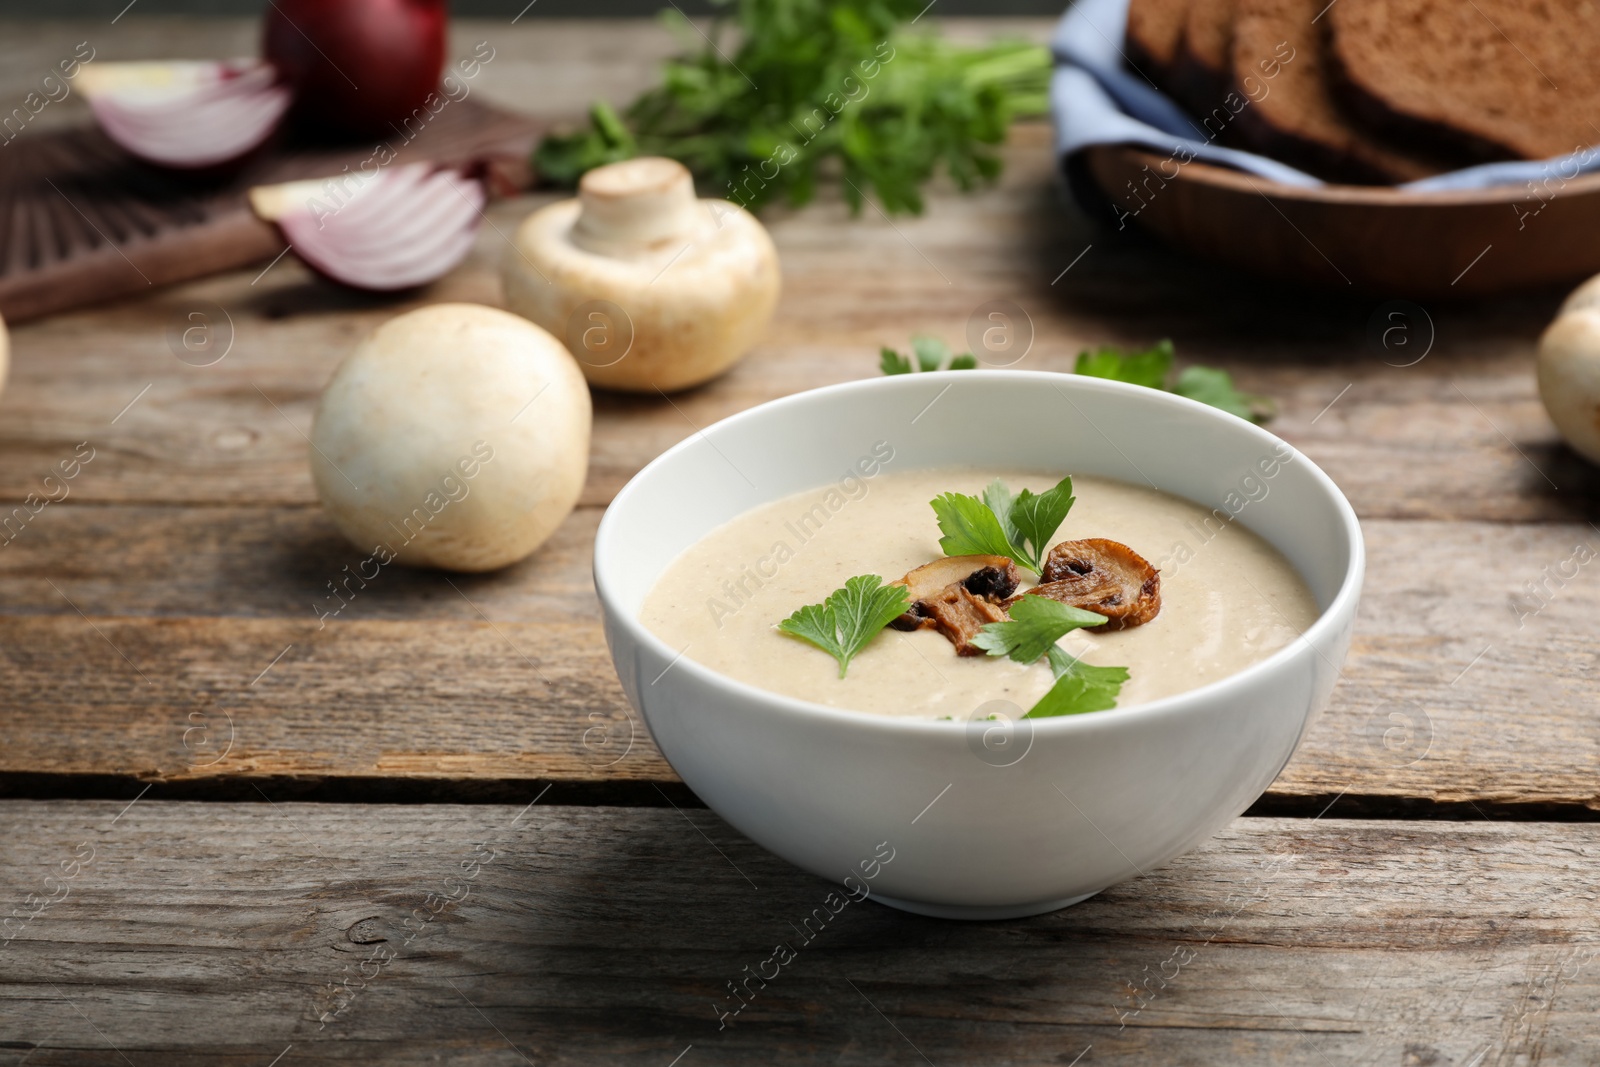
983, 820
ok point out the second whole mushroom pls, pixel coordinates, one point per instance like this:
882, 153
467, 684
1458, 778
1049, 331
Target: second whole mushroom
650, 287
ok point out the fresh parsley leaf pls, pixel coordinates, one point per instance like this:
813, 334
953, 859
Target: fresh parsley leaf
931, 352
965, 361
892, 362
998, 498
852, 616
1215, 387
1148, 368
1037, 517
1037, 623
970, 528
1079, 687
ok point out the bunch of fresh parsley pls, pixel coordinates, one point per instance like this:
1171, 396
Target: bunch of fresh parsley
850, 617
815, 88
1150, 367
999, 524
1036, 624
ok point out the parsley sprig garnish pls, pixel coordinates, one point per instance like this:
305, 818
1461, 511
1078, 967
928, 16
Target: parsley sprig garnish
998, 524
1037, 623
843, 624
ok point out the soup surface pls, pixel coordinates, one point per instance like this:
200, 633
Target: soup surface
1228, 599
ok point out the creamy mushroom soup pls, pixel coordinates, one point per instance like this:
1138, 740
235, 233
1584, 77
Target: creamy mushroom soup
1228, 599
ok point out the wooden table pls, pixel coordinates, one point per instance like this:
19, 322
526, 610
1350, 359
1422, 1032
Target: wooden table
232, 835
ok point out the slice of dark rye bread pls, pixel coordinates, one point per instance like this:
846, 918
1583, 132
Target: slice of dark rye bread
1151, 43
1279, 65
1203, 72
1497, 78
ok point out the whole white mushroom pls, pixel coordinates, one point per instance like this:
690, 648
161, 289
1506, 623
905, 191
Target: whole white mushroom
1569, 377
649, 287
453, 436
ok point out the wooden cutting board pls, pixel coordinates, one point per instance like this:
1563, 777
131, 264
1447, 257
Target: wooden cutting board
81, 222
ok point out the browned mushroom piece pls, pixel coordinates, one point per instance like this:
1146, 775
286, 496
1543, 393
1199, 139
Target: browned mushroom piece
957, 595
1102, 576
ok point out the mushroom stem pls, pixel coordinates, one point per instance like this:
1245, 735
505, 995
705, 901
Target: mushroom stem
636, 204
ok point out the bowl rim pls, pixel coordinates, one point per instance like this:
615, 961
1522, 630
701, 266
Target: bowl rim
1337, 194
1340, 608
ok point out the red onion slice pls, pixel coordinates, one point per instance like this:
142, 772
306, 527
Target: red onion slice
187, 115
391, 229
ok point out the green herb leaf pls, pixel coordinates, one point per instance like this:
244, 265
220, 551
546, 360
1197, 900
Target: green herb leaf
1037, 623
965, 361
931, 352
1079, 688
818, 624
1215, 387
1148, 368
1037, 517
892, 362
852, 616
998, 499
970, 528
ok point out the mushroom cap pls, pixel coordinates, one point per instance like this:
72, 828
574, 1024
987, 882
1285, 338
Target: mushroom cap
1586, 295
1103, 576
1569, 378
454, 436
648, 286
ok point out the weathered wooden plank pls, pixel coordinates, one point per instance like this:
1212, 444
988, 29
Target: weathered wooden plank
187, 934
176, 699
268, 562
1459, 434
1463, 687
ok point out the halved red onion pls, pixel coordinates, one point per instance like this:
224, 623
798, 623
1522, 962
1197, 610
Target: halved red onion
186, 114
395, 228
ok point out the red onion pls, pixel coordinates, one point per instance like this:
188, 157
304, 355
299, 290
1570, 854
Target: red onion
356, 66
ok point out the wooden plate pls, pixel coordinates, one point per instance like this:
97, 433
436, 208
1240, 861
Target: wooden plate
1382, 241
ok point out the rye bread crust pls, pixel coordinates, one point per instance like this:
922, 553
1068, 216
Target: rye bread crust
1294, 116
1202, 74
1496, 79
1150, 44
